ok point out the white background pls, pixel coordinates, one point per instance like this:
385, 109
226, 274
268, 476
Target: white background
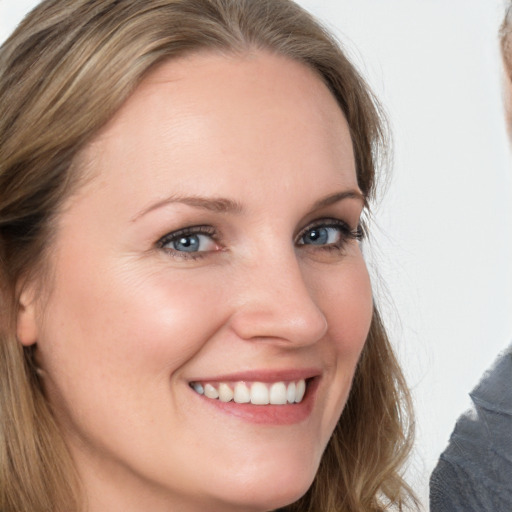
443, 230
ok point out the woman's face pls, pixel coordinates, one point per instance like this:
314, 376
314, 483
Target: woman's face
213, 251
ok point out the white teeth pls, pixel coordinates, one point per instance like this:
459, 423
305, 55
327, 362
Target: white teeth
300, 390
290, 395
278, 393
225, 393
257, 393
210, 391
242, 393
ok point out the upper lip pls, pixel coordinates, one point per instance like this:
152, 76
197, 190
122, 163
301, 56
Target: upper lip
263, 375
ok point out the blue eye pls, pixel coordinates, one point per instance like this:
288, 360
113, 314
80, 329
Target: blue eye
329, 234
187, 242
321, 235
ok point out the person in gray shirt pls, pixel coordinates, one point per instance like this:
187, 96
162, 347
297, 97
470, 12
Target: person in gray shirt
474, 473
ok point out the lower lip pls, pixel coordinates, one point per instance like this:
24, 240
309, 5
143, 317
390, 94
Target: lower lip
288, 414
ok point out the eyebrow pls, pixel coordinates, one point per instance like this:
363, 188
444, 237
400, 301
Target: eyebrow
224, 205
339, 196
213, 204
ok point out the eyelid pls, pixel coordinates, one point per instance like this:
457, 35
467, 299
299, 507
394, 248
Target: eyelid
329, 222
205, 230
191, 230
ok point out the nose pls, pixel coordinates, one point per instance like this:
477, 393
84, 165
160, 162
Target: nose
276, 303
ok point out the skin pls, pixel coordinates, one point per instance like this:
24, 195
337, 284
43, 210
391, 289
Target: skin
127, 324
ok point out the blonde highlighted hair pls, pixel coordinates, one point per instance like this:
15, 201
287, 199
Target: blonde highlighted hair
64, 72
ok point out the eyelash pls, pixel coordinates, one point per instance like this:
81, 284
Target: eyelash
345, 232
209, 231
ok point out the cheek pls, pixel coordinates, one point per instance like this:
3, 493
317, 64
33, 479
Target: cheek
359, 304
111, 339
124, 324
345, 297
348, 305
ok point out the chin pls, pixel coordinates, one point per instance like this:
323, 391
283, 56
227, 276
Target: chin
263, 499
269, 488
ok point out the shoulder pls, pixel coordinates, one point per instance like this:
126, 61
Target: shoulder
494, 392
473, 473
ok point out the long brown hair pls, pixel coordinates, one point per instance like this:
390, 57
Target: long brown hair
64, 72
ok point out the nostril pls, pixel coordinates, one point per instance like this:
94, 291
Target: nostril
293, 325
275, 302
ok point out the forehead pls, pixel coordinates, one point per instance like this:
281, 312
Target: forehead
206, 113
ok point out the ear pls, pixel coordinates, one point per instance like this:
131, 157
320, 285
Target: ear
26, 325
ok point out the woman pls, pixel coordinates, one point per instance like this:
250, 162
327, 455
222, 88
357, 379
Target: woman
187, 318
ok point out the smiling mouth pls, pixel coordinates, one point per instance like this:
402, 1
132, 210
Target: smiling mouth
256, 393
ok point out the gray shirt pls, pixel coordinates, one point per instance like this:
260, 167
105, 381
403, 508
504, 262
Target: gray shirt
474, 473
